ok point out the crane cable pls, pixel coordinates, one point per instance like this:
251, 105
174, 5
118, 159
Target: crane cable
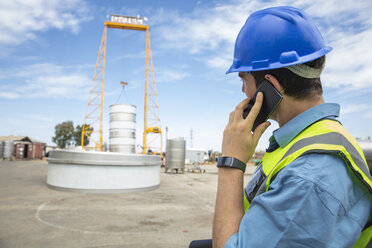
121, 93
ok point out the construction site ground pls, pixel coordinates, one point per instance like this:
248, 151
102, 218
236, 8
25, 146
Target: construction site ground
33, 215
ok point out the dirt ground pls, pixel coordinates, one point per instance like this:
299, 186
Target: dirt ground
33, 215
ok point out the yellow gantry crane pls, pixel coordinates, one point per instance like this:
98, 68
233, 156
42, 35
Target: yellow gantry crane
92, 128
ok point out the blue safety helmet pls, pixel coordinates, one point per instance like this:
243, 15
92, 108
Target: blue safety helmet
277, 37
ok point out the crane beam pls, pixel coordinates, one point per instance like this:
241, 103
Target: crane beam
138, 27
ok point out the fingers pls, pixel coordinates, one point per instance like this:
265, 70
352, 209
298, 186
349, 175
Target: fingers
260, 130
238, 112
240, 109
254, 111
231, 118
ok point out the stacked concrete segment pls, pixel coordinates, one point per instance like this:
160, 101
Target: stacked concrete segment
122, 128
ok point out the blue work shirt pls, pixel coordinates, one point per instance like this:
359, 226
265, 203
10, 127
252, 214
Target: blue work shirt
315, 201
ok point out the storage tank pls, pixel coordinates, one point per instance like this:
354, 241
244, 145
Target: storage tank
8, 149
122, 128
366, 146
1, 149
175, 154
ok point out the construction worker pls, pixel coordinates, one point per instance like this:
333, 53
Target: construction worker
313, 186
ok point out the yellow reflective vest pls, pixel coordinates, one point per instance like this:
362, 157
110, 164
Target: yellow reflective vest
325, 136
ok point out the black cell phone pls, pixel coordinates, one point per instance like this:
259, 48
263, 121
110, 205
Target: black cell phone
271, 101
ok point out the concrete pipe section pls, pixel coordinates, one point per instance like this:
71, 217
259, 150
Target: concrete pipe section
102, 172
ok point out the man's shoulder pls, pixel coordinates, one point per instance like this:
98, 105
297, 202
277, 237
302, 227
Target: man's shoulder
317, 167
327, 172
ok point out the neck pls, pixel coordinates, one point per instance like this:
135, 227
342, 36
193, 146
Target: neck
290, 107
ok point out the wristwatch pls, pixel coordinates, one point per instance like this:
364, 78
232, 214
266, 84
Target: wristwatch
230, 162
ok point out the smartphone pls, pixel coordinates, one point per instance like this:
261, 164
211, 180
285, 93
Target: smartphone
271, 101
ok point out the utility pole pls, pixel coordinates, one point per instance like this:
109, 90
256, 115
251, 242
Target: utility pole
191, 138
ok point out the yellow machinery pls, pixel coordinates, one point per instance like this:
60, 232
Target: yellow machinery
152, 134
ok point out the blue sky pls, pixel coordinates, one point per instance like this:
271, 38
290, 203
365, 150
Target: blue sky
48, 51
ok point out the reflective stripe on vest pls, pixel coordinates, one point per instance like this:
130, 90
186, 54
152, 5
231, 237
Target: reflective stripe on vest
325, 136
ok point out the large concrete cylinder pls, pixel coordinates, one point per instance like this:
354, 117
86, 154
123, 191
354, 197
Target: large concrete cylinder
176, 152
122, 128
102, 172
8, 149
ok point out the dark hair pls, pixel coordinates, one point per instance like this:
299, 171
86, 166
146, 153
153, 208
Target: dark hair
294, 85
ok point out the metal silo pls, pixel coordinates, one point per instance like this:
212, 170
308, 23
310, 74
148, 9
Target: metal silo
366, 146
8, 149
122, 128
175, 154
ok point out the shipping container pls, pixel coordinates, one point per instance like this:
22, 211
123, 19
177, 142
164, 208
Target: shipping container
25, 148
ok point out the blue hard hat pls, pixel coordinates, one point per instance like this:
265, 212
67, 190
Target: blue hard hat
277, 37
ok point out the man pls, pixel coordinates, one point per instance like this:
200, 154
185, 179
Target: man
313, 187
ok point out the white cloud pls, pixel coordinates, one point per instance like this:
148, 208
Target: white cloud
168, 75
354, 108
205, 29
350, 62
21, 20
363, 110
9, 95
222, 62
345, 25
44, 81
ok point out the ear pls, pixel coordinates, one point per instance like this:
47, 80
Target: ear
274, 82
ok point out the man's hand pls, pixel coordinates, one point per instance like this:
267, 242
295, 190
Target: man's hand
240, 143
238, 140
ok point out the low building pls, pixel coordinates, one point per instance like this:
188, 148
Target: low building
26, 147
196, 156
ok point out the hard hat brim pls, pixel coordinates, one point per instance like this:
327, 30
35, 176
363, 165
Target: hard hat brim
277, 65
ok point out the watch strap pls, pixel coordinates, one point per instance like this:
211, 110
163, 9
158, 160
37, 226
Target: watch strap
231, 162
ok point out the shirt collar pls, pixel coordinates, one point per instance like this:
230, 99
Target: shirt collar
292, 128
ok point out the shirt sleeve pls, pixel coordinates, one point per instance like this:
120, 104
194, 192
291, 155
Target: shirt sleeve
295, 212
